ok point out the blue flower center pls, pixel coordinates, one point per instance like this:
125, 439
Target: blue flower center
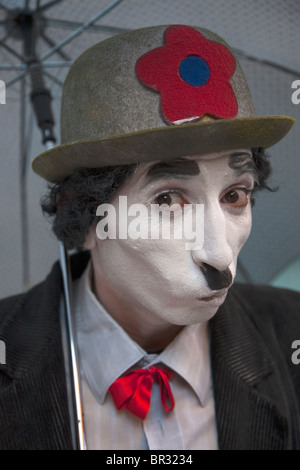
194, 70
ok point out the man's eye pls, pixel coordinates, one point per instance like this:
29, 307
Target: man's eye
236, 197
169, 199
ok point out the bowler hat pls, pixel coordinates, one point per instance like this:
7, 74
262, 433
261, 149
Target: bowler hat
156, 93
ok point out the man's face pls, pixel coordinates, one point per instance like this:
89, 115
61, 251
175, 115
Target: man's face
161, 278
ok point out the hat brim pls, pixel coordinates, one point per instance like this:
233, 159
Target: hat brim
162, 144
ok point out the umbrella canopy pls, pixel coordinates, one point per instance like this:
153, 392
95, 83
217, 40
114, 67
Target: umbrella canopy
38, 42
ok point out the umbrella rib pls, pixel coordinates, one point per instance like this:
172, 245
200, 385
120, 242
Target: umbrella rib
55, 22
52, 44
12, 67
9, 49
80, 30
48, 5
8, 34
270, 63
54, 79
50, 65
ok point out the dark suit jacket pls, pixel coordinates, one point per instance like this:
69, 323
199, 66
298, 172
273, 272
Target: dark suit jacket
256, 384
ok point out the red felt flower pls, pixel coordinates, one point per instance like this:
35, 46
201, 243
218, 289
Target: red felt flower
192, 74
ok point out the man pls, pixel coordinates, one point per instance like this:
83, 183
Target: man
171, 355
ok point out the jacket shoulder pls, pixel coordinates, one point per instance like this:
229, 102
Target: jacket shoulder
268, 299
27, 323
26, 304
9, 305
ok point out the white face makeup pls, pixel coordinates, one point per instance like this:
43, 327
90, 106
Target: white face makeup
160, 281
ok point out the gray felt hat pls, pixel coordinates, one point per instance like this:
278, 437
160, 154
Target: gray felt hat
156, 93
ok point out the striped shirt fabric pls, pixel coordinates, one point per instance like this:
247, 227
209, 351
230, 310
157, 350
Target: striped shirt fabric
106, 352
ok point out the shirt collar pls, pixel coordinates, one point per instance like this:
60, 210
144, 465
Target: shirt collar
188, 355
106, 351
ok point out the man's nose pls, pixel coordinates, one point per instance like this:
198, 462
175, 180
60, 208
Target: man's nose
216, 251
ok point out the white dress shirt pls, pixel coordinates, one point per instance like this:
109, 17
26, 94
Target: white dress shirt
106, 352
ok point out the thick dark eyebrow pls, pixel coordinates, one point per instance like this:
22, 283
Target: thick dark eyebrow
242, 163
180, 168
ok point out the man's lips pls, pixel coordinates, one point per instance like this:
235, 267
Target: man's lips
218, 295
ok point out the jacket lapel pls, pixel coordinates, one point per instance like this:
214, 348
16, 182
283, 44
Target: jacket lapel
251, 409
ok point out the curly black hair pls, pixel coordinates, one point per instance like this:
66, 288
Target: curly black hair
72, 203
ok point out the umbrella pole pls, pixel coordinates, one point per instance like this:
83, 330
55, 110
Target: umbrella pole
41, 98
78, 435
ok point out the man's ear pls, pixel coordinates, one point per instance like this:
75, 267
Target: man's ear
90, 238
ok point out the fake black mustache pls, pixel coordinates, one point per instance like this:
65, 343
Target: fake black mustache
216, 279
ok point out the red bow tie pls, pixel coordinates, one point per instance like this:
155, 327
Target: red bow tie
133, 390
